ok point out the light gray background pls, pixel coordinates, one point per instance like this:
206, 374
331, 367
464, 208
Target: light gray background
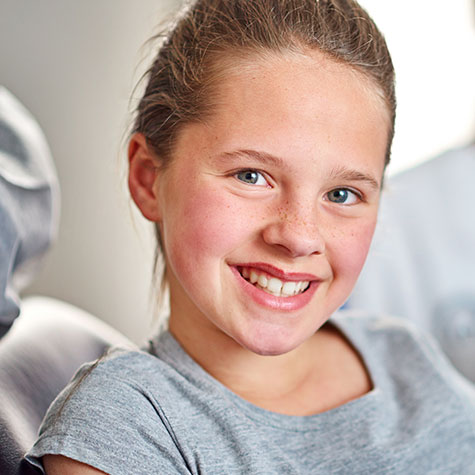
73, 63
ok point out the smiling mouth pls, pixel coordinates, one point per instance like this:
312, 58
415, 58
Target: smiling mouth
272, 285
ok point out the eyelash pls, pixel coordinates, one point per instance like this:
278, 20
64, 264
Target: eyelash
358, 196
251, 170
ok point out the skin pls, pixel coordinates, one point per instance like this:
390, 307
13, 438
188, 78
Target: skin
309, 126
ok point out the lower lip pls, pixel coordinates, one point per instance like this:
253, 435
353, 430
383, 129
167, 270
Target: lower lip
271, 301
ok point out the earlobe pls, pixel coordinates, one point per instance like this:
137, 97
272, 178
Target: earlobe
143, 174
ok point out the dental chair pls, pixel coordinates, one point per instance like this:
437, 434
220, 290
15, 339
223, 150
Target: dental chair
38, 356
42, 341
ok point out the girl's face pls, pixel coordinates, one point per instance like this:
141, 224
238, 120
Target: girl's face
267, 210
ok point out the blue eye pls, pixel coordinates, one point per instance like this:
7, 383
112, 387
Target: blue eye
342, 196
251, 177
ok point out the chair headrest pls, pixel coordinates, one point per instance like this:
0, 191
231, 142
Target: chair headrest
29, 203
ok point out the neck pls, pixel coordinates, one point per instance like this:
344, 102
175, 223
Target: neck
322, 373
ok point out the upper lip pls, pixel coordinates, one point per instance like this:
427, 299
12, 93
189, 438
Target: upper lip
279, 273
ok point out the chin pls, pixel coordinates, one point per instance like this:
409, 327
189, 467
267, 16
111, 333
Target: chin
271, 344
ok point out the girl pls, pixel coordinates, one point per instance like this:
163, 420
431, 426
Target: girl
258, 150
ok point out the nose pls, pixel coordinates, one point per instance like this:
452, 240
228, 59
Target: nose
296, 234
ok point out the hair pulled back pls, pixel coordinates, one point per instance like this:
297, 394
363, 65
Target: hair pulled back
178, 89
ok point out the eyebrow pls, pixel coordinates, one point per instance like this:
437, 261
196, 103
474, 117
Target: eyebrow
263, 157
347, 174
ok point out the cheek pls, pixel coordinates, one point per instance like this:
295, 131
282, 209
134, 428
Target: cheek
204, 224
350, 250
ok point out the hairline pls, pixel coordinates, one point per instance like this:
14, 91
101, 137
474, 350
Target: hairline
226, 61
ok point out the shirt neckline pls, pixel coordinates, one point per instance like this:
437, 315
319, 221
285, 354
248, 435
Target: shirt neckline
168, 349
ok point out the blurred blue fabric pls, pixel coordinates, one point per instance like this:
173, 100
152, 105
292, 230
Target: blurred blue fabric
29, 203
422, 261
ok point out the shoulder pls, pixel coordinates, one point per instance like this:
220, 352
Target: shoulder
129, 364
126, 375
125, 369
366, 325
406, 355
110, 406
124, 385
391, 337
384, 343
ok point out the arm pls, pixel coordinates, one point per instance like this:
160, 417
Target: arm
59, 465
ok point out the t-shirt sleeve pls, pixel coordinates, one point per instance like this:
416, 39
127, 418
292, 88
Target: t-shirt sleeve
111, 423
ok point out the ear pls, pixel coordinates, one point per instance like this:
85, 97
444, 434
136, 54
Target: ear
143, 174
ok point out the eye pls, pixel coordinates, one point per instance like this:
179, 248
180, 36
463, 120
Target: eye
252, 177
343, 196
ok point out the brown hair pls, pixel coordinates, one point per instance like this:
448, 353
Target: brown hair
190, 58
178, 82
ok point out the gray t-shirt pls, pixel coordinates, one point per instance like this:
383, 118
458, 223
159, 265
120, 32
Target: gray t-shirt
161, 413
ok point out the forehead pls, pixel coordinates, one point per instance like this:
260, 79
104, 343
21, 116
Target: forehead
287, 68
293, 106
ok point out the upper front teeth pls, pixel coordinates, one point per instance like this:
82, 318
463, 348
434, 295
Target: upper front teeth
273, 285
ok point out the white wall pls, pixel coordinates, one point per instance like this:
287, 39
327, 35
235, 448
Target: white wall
72, 62
432, 43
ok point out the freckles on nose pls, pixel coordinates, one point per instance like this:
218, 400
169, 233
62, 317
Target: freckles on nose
282, 214
294, 219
